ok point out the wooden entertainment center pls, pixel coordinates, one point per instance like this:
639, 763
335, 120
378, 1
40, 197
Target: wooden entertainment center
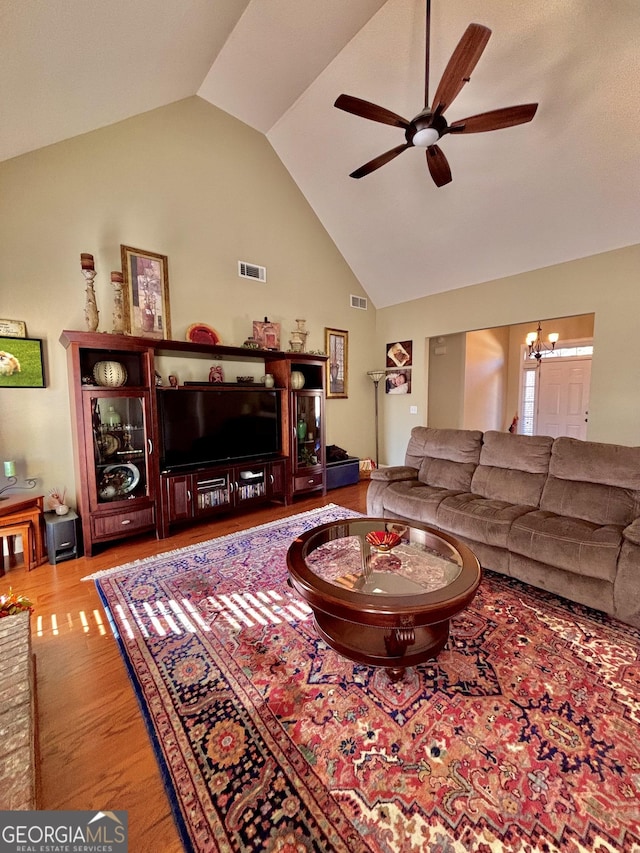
122, 486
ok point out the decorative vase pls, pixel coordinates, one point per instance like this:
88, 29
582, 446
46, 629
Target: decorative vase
61, 509
302, 429
297, 380
113, 419
110, 374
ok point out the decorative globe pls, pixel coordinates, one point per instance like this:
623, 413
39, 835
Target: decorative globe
297, 380
110, 374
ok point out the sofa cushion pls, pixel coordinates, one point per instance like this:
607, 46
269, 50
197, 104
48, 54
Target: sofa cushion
478, 518
414, 500
573, 544
512, 468
596, 482
458, 445
446, 474
445, 457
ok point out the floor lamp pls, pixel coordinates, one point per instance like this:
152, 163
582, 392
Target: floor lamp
375, 376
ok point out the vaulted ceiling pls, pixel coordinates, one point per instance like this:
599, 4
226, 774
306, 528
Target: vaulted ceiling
564, 186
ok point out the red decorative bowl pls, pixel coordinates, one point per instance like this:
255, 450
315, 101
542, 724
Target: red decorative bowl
382, 540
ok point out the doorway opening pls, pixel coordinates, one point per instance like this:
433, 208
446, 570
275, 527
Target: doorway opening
554, 390
480, 379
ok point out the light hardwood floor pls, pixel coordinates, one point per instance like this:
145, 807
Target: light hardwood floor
95, 752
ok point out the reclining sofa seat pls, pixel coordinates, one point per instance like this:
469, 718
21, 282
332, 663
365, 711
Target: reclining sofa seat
438, 463
560, 514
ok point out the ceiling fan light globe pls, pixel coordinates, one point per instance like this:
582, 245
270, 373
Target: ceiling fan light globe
425, 137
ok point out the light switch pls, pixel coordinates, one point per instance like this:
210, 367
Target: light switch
413, 410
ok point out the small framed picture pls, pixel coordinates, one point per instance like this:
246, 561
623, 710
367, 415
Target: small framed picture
400, 354
398, 382
267, 334
146, 280
337, 348
21, 363
13, 329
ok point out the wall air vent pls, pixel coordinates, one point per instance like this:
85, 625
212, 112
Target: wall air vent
359, 302
246, 270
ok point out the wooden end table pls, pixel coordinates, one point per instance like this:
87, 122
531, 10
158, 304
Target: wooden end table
22, 515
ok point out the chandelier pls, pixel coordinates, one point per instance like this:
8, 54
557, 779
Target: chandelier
537, 346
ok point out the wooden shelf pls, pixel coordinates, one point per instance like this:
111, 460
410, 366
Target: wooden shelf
107, 341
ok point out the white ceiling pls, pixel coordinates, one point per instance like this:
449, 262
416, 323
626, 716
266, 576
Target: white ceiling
564, 186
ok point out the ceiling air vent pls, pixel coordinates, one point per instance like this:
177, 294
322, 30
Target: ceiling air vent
359, 302
246, 270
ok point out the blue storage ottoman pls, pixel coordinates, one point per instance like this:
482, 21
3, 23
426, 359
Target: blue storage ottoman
343, 473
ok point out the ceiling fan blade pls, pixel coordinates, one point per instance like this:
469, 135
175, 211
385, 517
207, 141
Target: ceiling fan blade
458, 71
366, 109
494, 119
378, 161
438, 166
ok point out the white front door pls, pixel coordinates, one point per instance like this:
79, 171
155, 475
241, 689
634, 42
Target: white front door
563, 397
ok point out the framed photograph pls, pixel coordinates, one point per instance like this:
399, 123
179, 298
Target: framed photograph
13, 329
336, 342
400, 354
146, 281
267, 334
398, 382
21, 363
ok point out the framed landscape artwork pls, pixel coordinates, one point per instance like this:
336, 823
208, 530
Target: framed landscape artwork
146, 280
21, 363
337, 348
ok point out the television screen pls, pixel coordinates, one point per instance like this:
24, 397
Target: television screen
201, 426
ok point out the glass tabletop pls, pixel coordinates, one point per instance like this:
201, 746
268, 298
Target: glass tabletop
375, 557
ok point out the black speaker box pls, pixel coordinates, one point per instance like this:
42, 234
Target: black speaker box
64, 536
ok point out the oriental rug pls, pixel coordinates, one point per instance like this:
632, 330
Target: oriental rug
523, 735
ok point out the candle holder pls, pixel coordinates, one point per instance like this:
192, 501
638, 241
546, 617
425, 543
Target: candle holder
117, 280
13, 484
91, 314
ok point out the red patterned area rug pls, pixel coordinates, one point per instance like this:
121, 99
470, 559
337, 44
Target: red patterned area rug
523, 735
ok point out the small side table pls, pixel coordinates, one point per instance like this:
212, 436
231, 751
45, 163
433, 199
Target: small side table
22, 516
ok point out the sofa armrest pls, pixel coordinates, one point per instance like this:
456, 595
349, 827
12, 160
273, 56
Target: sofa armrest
632, 532
395, 472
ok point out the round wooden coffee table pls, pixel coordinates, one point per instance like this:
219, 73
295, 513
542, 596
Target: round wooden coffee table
383, 591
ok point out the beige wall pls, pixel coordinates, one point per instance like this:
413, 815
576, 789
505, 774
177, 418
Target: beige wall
446, 383
485, 380
604, 284
191, 182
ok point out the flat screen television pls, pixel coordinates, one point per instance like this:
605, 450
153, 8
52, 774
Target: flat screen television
202, 426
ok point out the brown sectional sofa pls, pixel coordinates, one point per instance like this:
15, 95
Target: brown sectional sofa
560, 514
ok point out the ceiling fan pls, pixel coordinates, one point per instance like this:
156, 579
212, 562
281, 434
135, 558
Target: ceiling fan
430, 125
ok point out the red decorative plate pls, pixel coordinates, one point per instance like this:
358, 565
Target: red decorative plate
382, 540
199, 333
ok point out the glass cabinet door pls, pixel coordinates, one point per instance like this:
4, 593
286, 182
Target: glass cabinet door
308, 429
120, 447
